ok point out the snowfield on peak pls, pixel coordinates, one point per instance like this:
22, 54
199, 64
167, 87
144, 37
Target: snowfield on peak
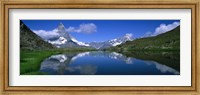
59, 41
79, 43
117, 43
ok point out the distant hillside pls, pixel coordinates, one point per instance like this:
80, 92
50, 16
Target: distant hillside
166, 41
31, 41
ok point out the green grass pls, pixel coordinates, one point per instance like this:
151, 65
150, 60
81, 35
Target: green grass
30, 61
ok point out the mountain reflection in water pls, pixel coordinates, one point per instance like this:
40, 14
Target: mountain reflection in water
103, 63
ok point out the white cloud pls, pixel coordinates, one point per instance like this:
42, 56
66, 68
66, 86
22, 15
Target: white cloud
47, 34
70, 29
147, 34
84, 28
162, 29
53, 34
128, 35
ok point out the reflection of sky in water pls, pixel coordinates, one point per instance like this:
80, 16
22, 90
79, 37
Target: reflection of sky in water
102, 63
162, 68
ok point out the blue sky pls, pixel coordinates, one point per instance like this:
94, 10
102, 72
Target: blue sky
102, 30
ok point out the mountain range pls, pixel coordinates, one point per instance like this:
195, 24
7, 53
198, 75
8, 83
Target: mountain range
65, 40
112, 42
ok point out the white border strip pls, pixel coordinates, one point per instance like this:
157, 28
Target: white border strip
95, 80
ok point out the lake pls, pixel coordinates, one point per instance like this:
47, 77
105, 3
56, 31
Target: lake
112, 63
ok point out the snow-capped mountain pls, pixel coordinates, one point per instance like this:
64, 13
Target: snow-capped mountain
65, 39
113, 42
118, 41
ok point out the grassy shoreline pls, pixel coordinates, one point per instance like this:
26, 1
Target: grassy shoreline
30, 60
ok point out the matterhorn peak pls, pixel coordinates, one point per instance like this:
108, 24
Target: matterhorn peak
65, 39
61, 24
61, 27
62, 31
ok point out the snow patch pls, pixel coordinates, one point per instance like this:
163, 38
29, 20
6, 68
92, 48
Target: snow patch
79, 43
117, 43
59, 41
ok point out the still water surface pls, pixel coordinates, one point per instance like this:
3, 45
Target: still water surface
106, 63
